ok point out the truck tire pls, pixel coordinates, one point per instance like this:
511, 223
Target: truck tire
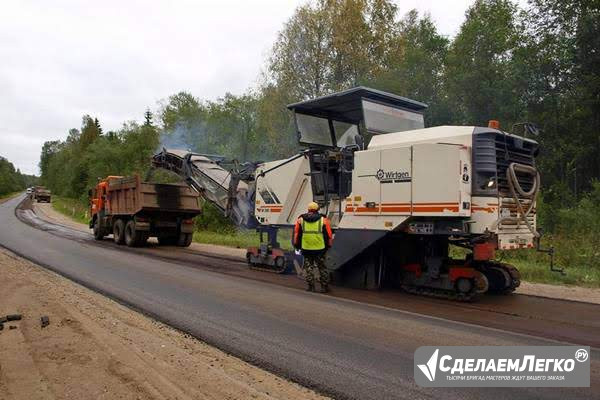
184, 239
119, 231
133, 238
98, 233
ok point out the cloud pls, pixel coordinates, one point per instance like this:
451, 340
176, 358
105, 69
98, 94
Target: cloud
112, 59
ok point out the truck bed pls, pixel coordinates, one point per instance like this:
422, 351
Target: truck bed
128, 196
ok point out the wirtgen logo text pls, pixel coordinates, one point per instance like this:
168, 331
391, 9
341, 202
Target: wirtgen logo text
502, 366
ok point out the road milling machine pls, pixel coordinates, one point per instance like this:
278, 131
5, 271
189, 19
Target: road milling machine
398, 194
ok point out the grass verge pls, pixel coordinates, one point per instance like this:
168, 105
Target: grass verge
535, 266
577, 253
72, 208
8, 196
532, 271
241, 238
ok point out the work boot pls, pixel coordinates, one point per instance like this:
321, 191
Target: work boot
324, 289
311, 287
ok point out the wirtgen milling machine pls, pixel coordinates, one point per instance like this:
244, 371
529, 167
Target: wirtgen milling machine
398, 194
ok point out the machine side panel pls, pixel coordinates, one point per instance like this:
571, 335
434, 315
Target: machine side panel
283, 193
366, 190
379, 178
484, 213
395, 180
437, 185
466, 177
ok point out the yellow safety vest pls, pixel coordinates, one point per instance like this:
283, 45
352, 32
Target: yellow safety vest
312, 235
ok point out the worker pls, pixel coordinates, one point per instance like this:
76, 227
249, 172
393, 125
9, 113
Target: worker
312, 235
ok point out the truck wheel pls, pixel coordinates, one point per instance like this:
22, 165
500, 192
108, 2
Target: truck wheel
118, 231
132, 237
185, 239
98, 233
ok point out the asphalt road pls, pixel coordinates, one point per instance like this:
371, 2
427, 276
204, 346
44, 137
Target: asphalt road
339, 347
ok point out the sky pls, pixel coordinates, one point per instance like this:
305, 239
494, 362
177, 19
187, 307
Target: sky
113, 59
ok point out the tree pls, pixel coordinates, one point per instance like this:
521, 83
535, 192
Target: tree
148, 117
275, 126
49, 150
183, 126
97, 126
11, 180
90, 131
564, 69
301, 54
350, 44
417, 71
479, 75
331, 45
181, 108
236, 118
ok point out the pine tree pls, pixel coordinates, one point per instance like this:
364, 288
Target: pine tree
98, 127
148, 117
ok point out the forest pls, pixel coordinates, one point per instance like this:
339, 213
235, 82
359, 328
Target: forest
539, 63
12, 180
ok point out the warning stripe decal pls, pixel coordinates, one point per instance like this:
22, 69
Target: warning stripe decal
274, 208
492, 208
405, 208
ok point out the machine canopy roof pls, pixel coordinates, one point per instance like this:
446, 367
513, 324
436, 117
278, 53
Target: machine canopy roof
341, 119
348, 104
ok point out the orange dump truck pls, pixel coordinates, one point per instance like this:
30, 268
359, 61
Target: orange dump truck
132, 211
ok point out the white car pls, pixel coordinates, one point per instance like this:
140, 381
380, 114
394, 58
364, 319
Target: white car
29, 191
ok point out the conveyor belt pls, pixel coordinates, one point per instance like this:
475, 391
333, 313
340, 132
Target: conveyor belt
214, 183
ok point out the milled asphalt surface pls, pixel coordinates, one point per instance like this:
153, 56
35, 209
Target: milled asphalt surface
339, 347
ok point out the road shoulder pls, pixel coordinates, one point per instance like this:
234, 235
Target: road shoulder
8, 197
97, 348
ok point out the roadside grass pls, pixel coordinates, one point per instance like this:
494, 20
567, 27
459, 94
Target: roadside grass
579, 258
532, 271
72, 208
240, 239
578, 255
8, 196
